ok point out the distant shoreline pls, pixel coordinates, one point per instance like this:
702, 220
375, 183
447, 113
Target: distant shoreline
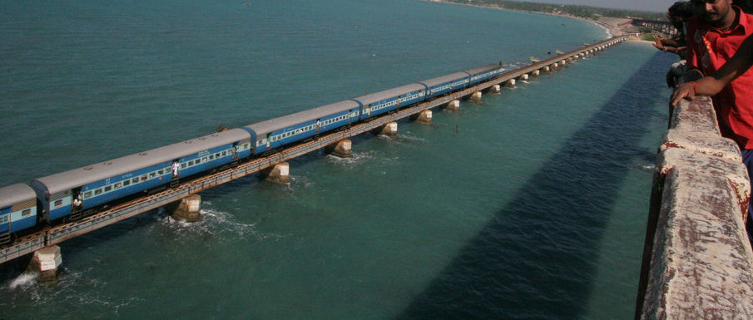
612, 30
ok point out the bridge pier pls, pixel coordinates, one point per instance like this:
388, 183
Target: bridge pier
425, 116
510, 83
495, 89
453, 105
523, 77
535, 73
279, 173
187, 209
45, 263
341, 149
476, 96
389, 130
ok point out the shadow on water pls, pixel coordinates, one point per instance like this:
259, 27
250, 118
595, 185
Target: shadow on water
538, 256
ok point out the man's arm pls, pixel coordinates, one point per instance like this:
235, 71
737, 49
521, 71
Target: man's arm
735, 66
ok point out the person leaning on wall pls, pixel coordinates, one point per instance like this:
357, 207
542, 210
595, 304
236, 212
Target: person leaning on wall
719, 54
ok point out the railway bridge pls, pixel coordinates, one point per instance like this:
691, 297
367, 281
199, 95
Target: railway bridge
43, 243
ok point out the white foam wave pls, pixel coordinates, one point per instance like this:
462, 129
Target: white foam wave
216, 223
24, 280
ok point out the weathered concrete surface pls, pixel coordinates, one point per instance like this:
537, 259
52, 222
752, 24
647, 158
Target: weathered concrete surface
279, 173
453, 105
389, 130
697, 261
45, 262
341, 149
425, 117
187, 209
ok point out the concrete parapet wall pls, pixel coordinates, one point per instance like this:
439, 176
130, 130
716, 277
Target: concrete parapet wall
697, 260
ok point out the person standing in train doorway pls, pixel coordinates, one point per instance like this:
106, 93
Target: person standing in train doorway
176, 169
713, 37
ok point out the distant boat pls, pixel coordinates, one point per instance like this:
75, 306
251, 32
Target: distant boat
534, 59
559, 52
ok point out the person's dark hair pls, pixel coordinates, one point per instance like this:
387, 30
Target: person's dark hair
684, 10
746, 5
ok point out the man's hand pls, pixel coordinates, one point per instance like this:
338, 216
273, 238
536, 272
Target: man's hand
683, 91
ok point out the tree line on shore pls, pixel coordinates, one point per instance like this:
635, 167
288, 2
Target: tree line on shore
575, 10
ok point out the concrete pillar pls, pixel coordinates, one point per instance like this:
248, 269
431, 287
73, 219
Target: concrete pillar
45, 262
495, 89
341, 149
389, 130
476, 96
454, 105
279, 173
187, 209
510, 83
425, 116
562, 62
555, 65
547, 69
524, 76
535, 73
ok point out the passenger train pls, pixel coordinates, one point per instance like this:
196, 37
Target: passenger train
73, 194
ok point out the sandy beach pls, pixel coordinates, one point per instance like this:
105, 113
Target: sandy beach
615, 26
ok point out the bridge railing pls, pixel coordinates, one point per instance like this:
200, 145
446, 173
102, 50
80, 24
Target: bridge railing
697, 259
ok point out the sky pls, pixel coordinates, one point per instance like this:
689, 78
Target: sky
642, 5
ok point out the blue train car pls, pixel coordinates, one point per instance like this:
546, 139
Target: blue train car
446, 84
481, 74
18, 208
382, 102
85, 188
270, 134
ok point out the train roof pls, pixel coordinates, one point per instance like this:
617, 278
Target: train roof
103, 170
390, 93
445, 79
483, 69
15, 193
264, 127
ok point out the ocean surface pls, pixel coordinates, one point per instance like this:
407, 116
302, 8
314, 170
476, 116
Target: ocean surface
530, 204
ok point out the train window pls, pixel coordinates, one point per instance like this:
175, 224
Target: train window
152, 175
88, 195
108, 188
97, 192
183, 165
58, 203
143, 178
126, 183
204, 159
159, 172
211, 157
117, 185
190, 163
26, 213
4, 219
135, 180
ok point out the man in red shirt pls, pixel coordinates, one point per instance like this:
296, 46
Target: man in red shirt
713, 37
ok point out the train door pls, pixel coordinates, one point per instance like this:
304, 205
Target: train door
234, 150
77, 204
175, 170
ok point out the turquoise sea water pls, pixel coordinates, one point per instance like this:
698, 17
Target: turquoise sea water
530, 204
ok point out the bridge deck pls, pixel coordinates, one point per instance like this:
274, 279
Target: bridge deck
57, 234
